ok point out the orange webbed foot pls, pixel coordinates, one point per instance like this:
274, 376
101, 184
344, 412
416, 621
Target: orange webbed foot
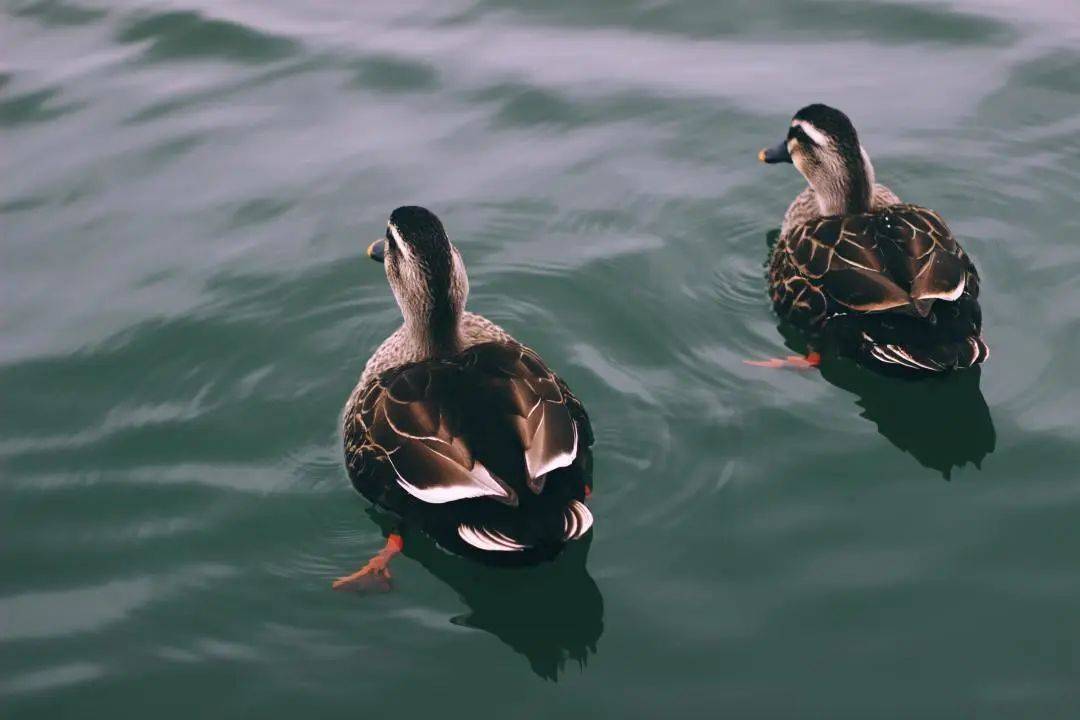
376, 571
799, 362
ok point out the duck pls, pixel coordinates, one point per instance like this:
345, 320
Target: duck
883, 280
457, 428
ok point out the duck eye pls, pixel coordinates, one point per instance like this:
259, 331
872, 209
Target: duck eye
800, 137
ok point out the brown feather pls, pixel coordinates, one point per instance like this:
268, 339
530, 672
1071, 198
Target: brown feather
489, 422
901, 258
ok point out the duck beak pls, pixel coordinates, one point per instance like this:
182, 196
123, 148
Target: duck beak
777, 154
377, 250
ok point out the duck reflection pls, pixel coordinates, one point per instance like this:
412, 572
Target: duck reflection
942, 421
551, 613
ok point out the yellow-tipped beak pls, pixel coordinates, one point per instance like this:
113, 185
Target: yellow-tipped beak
778, 154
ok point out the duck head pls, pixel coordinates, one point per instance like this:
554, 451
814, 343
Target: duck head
824, 147
427, 276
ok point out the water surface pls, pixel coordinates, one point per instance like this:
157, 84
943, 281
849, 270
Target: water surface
188, 189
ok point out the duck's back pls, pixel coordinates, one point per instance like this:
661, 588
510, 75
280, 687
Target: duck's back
893, 284
489, 440
804, 207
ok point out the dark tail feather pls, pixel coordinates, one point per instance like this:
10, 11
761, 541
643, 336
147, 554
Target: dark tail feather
936, 358
502, 534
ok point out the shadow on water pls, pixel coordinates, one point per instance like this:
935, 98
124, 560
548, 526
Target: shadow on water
550, 613
942, 421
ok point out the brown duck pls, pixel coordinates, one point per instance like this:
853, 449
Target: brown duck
455, 426
885, 281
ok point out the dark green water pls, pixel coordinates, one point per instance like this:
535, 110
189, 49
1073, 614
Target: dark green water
187, 190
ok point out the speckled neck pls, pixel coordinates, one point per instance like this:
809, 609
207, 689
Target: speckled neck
438, 335
845, 188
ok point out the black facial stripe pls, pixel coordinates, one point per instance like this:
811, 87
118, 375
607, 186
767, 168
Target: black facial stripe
797, 133
833, 124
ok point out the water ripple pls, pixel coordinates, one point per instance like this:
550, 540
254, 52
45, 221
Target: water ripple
183, 35
187, 305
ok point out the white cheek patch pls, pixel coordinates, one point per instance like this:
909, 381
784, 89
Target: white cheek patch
398, 242
811, 132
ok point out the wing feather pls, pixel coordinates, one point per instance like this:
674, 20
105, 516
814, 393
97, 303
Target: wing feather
411, 420
492, 422
900, 259
545, 427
